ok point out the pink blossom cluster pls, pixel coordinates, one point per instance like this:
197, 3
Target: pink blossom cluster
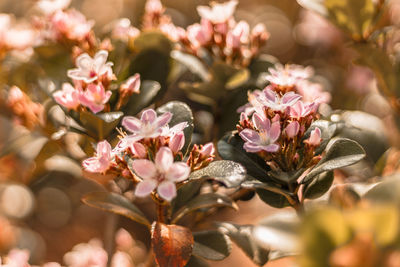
296, 78
15, 36
87, 254
274, 122
224, 38
91, 81
153, 147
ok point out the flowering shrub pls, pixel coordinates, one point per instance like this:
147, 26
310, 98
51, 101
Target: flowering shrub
164, 124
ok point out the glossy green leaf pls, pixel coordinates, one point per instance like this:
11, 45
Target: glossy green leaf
115, 203
186, 192
386, 191
230, 147
273, 199
192, 63
242, 236
204, 201
319, 185
341, 152
100, 125
180, 113
230, 173
211, 245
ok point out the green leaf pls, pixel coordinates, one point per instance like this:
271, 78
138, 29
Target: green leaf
230, 173
192, 63
148, 92
318, 186
273, 199
328, 130
115, 203
341, 152
242, 236
99, 126
196, 262
211, 245
230, 147
186, 192
204, 201
238, 79
355, 17
180, 113
387, 191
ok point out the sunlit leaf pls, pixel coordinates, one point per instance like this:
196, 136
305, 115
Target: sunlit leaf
211, 245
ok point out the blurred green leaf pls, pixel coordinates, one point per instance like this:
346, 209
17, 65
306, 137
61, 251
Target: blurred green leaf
147, 95
341, 152
115, 203
242, 236
192, 63
211, 245
180, 113
273, 199
196, 262
238, 79
319, 185
227, 172
204, 201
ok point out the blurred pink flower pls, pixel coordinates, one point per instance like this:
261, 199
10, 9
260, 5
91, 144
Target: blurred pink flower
121, 259
271, 99
90, 69
312, 92
288, 75
292, 129
123, 30
154, 7
149, 125
95, 97
67, 97
265, 138
124, 240
20, 37
102, 161
172, 32
72, 24
260, 33
238, 36
48, 7
218, 13
131, 85
17, 258
161, 174
315, 137
200, 34
89, 254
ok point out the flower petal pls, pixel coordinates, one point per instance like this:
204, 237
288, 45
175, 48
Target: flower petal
144, 168
99, 60
179, 171
148, 116
144, 188
103, 149
167, 190
164, 159
84, 62
275, 131
250, 136
262, 124
164, 119
132, 124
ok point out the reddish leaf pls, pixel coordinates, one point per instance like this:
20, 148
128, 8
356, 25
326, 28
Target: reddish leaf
172, 244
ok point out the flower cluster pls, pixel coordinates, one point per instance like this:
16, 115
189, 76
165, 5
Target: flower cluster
26, 112
296, 78
92, 79
221, 36
274, 122
148, 153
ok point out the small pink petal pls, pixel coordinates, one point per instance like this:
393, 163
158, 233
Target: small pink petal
139, 150
164, 159
132, 124
167, 190
148, 116
207, 150
144, 188
103, 149
176, 142
179, 171
144, 168
261, 123
250, 135
275, 131
292, 129
164, 119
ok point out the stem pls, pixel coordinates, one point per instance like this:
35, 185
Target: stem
109, 233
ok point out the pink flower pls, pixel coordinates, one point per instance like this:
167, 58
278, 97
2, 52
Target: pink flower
265, 138
238, 36
292, 129
172, 32
19, 38
272, 100
87, 254
17, 258
218, 13
95, 97
176, 142
48, 7
122, 30
207, 150
102, 161
300, 110
154, 7
72, 24
132, 85
121, 259
90, 69
67, 97
288, 75
161, 174
200, 34
312, 92
260, 33
149, 125
315, 137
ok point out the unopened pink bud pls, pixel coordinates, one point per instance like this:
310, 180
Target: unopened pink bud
176, 142
315, 137
132, 85
207, 150
292, 129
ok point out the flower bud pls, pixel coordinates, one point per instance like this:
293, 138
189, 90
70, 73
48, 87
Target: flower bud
132, 85
176, 142
315, 137
292, 129
207, 150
